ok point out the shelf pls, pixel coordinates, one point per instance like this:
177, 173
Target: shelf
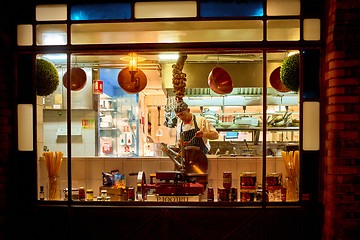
257, 128
107, 110
107, 129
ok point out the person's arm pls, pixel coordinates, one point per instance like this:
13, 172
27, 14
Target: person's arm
207, 131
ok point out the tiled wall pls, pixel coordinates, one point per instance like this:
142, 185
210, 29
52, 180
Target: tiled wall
87, 172
82, 145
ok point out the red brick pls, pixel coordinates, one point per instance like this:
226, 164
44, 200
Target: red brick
335, 64
335, 73
343, 170
355, 90
334, 126
343, 117
333, 153
343, 99
335, 54
335, 91
6, 129
347, 134
343, 82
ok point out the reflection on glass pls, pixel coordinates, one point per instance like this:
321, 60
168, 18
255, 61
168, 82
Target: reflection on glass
231, 8
103, 11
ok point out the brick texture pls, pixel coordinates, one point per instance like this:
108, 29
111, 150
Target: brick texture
341, 196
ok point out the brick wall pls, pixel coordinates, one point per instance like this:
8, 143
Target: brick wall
342, 134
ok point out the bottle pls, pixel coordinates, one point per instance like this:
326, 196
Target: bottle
81, 193
210, 194
90, 194
42, 194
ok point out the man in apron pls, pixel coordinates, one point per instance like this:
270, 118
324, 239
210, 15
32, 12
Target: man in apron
197, 129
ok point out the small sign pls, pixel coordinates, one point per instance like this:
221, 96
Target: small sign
88, 124
107, 147
173, 198
98, 87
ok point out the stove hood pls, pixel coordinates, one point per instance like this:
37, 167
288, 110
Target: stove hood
243, 75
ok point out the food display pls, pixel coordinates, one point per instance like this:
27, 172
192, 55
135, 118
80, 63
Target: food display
53, 164
179, 78
247, 187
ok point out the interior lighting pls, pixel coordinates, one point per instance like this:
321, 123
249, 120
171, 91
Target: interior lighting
169, 56
292, 53
54, 38
55, 56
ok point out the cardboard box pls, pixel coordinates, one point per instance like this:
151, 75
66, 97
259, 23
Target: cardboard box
115, 194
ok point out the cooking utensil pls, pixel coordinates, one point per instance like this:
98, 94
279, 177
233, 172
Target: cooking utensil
220, 81
275, 81
77, 79
195, 160
132, 82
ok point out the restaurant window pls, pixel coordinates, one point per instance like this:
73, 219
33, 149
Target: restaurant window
110, 137
116, 132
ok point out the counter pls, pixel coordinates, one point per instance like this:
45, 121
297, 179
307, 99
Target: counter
87, 171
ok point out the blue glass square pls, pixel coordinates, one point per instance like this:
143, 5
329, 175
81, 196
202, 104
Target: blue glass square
239, 8
107, 11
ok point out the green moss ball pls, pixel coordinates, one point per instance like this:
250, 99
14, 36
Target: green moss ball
289, 72
47, 77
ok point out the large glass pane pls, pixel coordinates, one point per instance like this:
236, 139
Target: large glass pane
103, 11
231, 8
167, 32
51, 127
283, 121
283, 30
115, 133
51, 34
166, 9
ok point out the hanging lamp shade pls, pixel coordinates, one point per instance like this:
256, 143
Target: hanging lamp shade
275, 81
132, 82
77, 78
220, 81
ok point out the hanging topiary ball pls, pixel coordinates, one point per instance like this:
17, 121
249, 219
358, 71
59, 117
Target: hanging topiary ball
289, 72
47, 77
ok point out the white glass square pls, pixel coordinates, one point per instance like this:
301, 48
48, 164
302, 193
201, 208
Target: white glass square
25, 35
283, 8
51, 12
169, 9
311, 126
25, 127
312, 29
283, 30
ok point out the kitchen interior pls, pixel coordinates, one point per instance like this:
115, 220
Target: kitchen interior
117, 130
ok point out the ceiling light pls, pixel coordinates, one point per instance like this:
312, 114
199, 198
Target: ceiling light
166, 56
